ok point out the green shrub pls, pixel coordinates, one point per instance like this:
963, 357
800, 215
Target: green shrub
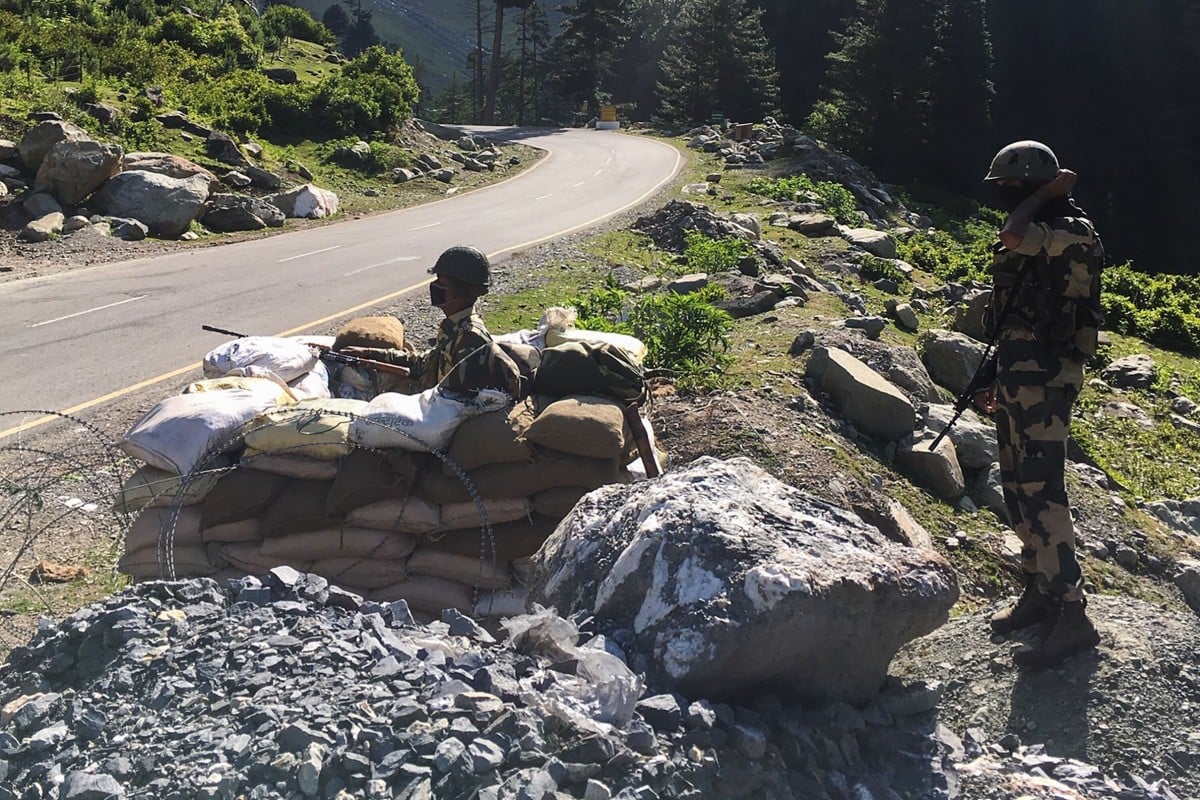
1158, 308
713, 255
282, 22
874, 268
224, 36
602, 305
835, 198
374, 92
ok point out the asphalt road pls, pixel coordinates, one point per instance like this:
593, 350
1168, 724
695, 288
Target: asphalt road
82, 338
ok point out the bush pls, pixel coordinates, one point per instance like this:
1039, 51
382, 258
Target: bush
713, 255
874, 268
225, 36
284, 22
835, 198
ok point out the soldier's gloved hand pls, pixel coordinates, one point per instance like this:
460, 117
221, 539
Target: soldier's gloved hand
1062, 184
985, 400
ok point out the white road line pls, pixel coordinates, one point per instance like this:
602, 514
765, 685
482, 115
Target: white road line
90, 310
596, 174
543, 197
577, 185
423, 227
306, 255
609, 160
380, 264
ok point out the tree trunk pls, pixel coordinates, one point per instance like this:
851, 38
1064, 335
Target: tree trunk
489, 111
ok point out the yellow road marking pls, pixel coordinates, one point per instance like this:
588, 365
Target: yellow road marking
166, 376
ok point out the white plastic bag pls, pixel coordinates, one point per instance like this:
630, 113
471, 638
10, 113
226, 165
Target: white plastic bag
261, 356
422, 422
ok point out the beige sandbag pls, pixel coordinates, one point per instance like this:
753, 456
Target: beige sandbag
502, 603
511, 541
291, 465
583, 426
368, 476
359, 574
151, 486
300, 507
497, 437
314, 429
147, 528
246, 530
241, 494
428, 595
631, 345
245, 556
480, 572
559, 501
408, 515
547, 470
347, 542
383, 332
283, 397
190, 561
464, 515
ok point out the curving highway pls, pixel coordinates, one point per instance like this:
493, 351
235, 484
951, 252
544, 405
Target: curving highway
82, 338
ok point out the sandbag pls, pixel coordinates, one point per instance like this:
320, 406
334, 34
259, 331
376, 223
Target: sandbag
291, 466
407, 515
383, 332
501, 603
557, 502
422, 422
284, 396
345, 542
463, 515
312, 429
313, 385
300, 507
148, 527
511, 541
246, 530
496, 437
582, 426
428, 595
480, 573
246, 556
256, 356
588, 368
359, 574
180, 431
368, 476
242, 494
630, 345
547, 470
190, 561
151, 486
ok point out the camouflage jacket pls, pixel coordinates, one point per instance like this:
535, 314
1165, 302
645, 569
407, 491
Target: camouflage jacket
1053, 324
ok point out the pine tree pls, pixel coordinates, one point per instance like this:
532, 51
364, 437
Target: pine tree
719, 60
585, 52
361, 34
336, 19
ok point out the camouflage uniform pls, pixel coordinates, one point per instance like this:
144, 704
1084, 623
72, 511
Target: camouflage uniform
1043, 342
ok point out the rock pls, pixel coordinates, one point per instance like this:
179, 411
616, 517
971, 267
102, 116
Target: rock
473, 165
974, 437
1180, 515
688, 283
1126, 556
951, 358
696, 188
284, 75
445, 174
812, 224
466, 143
38, 141
443, 132
168, 164
3, 189
642, 285
238, 180
969, 315
906, 317
178, 120
75, 223
81, 785
741, 307
1132, 372
42, 228
230, 212
253, 149
987, 491
937, 470
729, 581
301, 170
166, 205
131, 230
873, 326
595, 790
662, 711
8, 149
103, 112
873, 404
749, 223
402, 175
40, 204
307, 202
223, 148
1188, 581
905, 528
264, 179
803, 342
75, 168
877, 243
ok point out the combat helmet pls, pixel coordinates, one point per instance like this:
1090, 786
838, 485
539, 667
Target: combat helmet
1026, 160
465, 264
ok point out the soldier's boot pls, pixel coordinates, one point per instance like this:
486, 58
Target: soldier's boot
1067, 632
1032, 608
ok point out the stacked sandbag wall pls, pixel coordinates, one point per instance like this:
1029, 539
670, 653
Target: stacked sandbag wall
326, 487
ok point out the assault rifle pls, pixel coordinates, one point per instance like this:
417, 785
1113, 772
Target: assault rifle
331, 356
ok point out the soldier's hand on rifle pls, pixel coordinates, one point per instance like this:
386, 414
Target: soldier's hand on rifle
985, 400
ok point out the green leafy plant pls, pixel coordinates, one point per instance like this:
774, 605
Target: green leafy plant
835, 198
874, 268
713, 255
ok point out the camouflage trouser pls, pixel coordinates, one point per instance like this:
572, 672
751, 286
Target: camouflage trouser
1032, 425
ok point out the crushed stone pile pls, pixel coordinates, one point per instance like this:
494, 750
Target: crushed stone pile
290, 688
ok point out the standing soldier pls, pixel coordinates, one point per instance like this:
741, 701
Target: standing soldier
1046, 273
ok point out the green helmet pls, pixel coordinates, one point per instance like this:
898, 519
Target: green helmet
465, 264
1026, 161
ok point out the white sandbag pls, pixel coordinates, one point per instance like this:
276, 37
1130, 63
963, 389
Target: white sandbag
312, 385
178, 432
154, 487
410, 515
630, 345
258, 356
422, 422
456, 516
502, 603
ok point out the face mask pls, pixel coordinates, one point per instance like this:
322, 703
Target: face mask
437, 294
1013, 196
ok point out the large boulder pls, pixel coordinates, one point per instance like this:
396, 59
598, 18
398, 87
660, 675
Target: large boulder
42, 228
974, 437
307, 201
166, 205
1132, 372
223, 148
443, 132
951, 358
969, 315
73, 169
934, 468
168, 164
877, 243
263, 179
41, 137
231, 212
867, 399
1180, 515
725, 581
